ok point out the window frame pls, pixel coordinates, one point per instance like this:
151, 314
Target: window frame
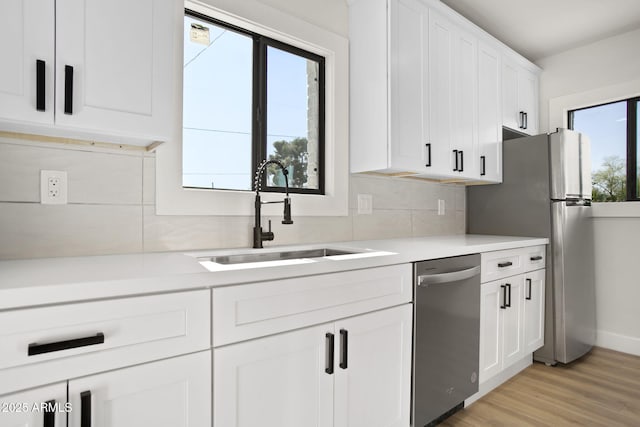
172, 199
259, 111
631, 141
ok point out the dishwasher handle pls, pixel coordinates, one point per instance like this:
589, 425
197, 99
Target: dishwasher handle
454, 276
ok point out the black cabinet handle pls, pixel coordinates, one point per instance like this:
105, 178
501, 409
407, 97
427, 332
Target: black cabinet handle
536, 258
455, 154
40, 85
483, 165
504, 296
528, 289
526, 120
85, 409
35, 348
329, 353
49, 414
68, 89
521, 124
505, 264
428, 154
461, 161
344, 345
508, 303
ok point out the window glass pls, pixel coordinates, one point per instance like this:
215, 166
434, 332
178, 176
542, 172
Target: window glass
217, 107
293, 106
606, 127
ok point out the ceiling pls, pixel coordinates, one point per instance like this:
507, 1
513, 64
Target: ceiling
541, 28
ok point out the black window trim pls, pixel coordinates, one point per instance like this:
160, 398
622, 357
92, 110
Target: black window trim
259, 107
632, 142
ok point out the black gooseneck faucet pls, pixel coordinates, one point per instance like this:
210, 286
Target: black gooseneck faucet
260, 236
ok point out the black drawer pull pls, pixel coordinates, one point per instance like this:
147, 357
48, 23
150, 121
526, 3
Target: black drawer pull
528, 297
505, 264
526, 121
504, 296
40, 85
329, 353
428, 155
461, 161
49, 414
508, 303
483, 165
68, 89
455, 153
35, 348
344, 344
85, 409
535, 258
521, 124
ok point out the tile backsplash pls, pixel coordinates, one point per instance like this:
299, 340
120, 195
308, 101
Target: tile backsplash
111, 209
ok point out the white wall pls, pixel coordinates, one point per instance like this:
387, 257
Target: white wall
112, 195
601, 72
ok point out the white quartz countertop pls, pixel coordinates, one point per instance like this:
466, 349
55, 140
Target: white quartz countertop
43, 281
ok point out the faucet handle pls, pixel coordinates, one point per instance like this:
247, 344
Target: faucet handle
269, 226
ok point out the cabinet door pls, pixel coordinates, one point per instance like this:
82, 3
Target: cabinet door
277, 381
441, 36
489, 118
373, 369
512, 326
528, 100
31, 408
491, 301
26, 36
534, 283
122, 54
408, 54
170, 393
465, 103
510, 105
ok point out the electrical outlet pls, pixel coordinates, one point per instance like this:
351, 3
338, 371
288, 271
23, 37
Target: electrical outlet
440, 207
365, 204
53, 187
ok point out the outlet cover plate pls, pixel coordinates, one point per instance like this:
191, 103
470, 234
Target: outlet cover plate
53, 187
365, 204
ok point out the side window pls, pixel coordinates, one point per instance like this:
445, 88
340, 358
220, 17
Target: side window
248, 98
613, 131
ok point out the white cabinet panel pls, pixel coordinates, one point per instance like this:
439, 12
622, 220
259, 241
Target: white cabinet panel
533, 310
489, 114
122, 58
277, 381
519, 96
26, 36
510, 106
512, 321
490, 330
27, 409
373, 377
170, 393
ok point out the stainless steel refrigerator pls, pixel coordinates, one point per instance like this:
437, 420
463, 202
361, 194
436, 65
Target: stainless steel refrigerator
546, 192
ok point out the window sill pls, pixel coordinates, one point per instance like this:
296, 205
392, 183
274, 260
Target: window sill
616, 210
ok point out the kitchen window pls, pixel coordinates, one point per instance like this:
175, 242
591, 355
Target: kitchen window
247, 98
198, 171
613, 131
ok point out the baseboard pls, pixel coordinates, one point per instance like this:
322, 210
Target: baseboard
617, 342
500, 378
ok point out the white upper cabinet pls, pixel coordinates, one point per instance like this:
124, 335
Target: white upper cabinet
27, 50
519, 95
427, 92
489, 120
114, 67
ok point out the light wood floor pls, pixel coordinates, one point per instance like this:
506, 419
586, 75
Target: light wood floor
600, 389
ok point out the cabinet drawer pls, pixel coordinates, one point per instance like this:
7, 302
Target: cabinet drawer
258, 309
66, 341
535, 257
499, 264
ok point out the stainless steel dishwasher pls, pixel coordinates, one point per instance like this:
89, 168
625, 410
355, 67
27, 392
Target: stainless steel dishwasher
446, 336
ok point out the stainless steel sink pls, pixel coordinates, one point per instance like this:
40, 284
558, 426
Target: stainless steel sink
275, 256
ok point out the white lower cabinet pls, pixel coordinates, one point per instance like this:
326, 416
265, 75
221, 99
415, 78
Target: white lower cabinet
533, 310
352, 372
169, 393
43, 406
